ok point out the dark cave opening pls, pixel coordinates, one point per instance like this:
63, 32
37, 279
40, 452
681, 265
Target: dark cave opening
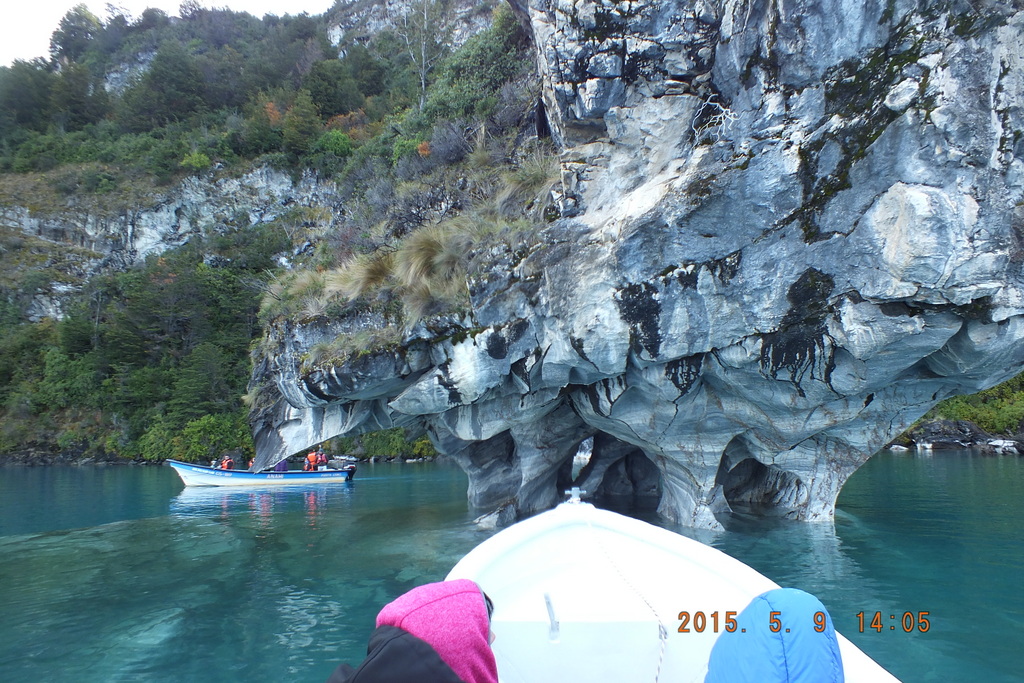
750, 486
614, 474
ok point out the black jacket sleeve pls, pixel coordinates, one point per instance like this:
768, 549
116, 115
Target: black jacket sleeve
396, 656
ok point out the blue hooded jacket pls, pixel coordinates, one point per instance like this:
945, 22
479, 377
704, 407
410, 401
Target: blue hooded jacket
803, 655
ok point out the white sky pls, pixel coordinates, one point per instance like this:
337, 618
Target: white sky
27, 24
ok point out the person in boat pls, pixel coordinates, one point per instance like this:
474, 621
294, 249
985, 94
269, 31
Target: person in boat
321, 459
310, 464
435, 633
227, 463
797, 653
281, 466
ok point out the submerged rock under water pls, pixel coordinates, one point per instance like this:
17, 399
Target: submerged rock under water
787, 230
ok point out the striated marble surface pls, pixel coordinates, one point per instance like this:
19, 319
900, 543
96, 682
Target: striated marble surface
788, 229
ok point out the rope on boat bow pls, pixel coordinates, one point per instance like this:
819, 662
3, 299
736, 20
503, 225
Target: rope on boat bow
662, 629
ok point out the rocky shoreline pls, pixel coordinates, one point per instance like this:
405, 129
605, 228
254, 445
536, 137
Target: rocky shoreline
44, 457
953, 434
40, 456
933, 435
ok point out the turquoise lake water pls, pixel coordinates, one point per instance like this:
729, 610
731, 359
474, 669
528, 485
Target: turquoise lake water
120, 574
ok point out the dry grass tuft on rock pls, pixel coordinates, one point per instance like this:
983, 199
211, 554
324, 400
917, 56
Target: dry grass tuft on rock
527, 189
361, 275
351, 345
292, 293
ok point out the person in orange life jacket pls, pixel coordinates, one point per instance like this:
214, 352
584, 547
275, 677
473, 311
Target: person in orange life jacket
227, 463
310, 464
321, 458
435, 633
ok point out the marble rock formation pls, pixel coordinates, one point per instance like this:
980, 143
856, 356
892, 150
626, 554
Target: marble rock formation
788, 229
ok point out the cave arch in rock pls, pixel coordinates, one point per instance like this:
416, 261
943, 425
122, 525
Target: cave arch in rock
617, 473
750, 485
767, 490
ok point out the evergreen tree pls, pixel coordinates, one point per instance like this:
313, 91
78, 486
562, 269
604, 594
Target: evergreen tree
151, 19
74, 34
332, 88
77, 98
224, 78
369, 73
171, 90
261, 132
25, 94
301, 125
201, 386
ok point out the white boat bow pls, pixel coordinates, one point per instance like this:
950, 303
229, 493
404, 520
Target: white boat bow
583, 594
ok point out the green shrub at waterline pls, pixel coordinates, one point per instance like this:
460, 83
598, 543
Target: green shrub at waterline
999, 410
387, 443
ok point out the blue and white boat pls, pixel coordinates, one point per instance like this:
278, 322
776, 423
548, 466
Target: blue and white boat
199, 475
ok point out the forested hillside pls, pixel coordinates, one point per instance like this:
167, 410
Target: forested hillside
153, 361
435, 150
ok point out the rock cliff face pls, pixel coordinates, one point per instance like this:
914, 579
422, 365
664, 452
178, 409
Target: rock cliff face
789, 227
354, 21
115, 237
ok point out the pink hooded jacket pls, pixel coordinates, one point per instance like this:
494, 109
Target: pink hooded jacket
451, 617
